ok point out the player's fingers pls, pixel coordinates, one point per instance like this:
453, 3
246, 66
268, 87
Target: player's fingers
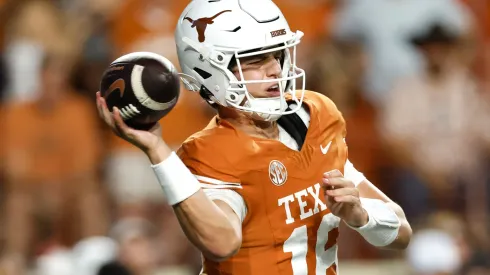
334, 183
335, 207
333, 174
119, 124
106, 114
99, 106
122, 128
343, 192
347, 199
100, 101
330, 202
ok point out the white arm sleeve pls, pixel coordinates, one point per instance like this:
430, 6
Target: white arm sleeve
232, 198
352, 174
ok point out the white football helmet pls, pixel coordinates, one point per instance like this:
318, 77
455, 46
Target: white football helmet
210, 33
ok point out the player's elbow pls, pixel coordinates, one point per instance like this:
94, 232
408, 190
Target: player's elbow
222, 254
405, 235
225, 248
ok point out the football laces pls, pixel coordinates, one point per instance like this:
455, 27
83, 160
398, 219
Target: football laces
129, 111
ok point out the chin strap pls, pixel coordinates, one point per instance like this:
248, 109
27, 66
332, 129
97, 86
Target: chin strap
268, 105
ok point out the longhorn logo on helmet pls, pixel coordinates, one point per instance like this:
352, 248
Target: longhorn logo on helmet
202, 23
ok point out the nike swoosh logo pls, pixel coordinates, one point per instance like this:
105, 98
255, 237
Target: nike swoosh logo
119, 84
325, 149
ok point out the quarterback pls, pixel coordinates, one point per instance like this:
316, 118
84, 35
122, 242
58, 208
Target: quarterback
263, 188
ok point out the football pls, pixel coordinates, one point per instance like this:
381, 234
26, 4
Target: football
144, 87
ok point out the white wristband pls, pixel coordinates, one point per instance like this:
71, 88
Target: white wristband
178, 183
383, 225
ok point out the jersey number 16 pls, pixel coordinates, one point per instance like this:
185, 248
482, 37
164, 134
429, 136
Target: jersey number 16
297, 244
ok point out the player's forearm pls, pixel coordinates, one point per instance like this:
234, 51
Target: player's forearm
394, 236
208, 227
387, 227
203, 222
405, 231
159, 153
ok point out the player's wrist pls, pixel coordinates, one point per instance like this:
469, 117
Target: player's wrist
157, 152
177, 182
359, 220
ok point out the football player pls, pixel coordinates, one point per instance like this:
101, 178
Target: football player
262, 189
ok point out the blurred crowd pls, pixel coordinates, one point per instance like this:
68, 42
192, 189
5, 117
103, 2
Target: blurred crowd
411, 78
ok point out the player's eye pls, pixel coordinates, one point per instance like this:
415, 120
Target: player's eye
278, 55
256, 61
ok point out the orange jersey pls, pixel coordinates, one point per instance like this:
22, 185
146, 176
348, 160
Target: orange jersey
288, 228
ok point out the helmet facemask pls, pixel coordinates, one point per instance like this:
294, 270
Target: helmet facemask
268, 108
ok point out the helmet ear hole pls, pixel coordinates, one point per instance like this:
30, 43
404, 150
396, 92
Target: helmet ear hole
220, 57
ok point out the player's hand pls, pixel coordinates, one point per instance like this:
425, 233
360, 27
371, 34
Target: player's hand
145, 140
343, 199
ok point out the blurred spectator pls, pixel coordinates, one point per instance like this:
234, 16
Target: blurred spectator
455, 226
479, 264
148, 25
444, 244
34, 27
59, 261
433, 252
436, 125
51, 156
317, 11
86, 258
3, 69
113, 268
481, 11
381, 26
96, 53
139, 250
90, 254
3, 78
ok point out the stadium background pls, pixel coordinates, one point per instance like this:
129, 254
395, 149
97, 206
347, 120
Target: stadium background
73, 197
